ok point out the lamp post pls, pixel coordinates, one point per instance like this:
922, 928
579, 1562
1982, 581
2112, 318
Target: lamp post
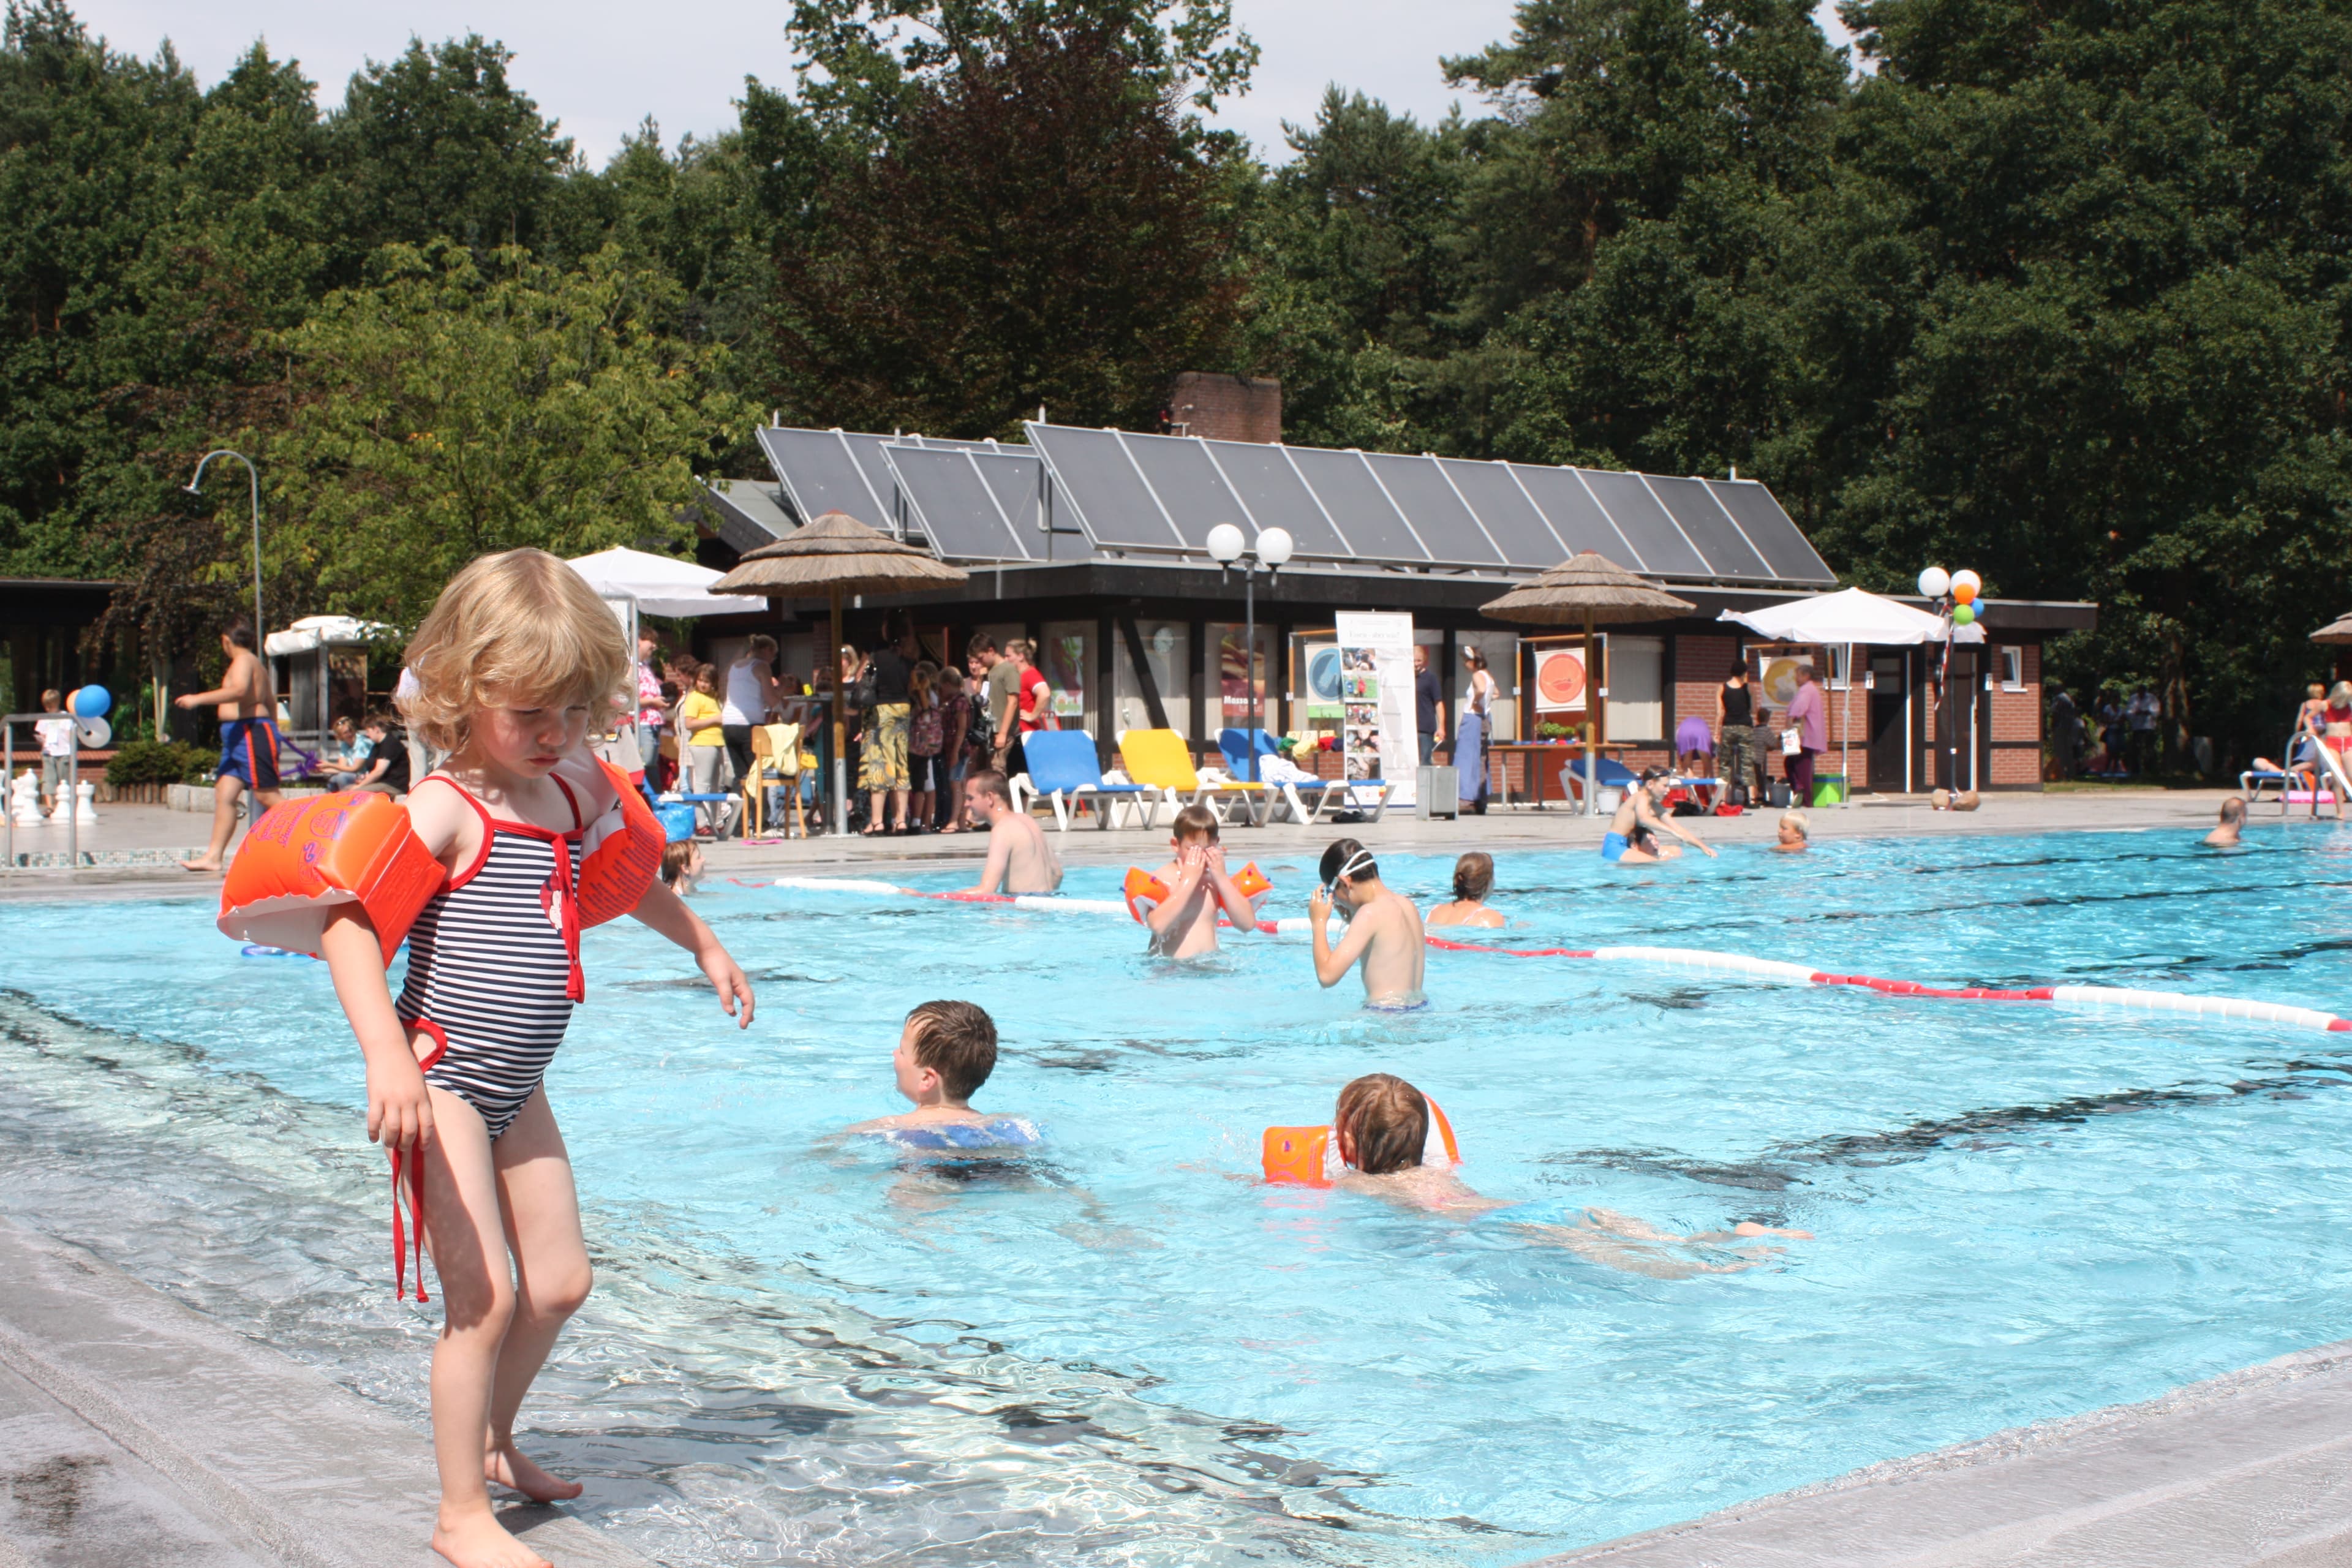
1274, 547
253, 477
1954, 594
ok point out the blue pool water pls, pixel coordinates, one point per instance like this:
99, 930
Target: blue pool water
1123, 1350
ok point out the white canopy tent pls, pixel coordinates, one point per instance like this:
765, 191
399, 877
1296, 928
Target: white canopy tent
1851, 616
659, 584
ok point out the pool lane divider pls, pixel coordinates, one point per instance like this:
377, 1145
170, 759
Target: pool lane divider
2233, 1009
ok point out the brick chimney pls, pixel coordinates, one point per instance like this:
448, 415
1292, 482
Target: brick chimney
1225, 407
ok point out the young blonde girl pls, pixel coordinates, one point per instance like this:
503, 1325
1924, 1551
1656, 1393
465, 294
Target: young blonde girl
516, 664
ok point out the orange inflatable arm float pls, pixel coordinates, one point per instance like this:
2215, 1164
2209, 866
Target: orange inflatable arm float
1145, 892
1304, 1156
620, 855
305, 858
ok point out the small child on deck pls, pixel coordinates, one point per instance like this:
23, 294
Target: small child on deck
517, 665
945, 1053
1185, 926
1474, 878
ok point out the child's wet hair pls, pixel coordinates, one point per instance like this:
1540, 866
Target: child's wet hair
1196, 821
517, 629
676, 858
1349, 859
1797, 820
956, 1040
1474, 876
1384, 1121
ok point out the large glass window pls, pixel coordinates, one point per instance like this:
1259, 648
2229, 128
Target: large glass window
1636, 667
1168, 654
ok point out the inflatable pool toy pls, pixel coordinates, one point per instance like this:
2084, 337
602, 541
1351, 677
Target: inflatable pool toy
1146, 892
996, 1133
306, 858
1310, 1156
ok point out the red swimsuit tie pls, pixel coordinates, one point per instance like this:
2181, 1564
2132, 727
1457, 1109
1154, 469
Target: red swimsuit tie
561, 898
411, 1163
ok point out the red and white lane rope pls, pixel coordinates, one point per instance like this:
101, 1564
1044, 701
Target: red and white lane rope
2234, 1009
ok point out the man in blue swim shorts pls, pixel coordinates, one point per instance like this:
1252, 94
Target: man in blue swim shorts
249, 757
1633, 838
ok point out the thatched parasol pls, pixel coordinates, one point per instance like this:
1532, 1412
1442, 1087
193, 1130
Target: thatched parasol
1591, 589
835, 555
2339, 630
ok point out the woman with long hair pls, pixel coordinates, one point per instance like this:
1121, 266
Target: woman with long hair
1470, 735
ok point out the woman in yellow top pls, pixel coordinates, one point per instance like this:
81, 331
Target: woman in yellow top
705, 747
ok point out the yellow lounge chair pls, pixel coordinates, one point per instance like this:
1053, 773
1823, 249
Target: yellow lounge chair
1159, 759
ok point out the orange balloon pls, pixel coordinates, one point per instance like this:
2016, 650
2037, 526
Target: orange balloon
1964, 594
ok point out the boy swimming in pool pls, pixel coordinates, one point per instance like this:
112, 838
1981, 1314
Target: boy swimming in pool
1474, 878
1380, 1128
1383, 930
1199, 886
1636, 833
1795, 836
945, 1053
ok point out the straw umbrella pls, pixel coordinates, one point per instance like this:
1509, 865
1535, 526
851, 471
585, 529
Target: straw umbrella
1591, 589
2337, 631
833, 556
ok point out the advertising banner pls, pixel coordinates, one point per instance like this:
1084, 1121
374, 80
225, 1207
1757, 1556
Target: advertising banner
1379, 737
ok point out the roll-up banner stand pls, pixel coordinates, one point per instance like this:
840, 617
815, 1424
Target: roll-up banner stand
1379, 732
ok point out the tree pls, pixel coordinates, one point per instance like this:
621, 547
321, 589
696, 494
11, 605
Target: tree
1037, 230
456, 407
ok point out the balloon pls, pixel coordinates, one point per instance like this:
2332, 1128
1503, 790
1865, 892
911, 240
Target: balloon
1969, 580
95, 731
1965, 593
93, 703
1933, 582
1963, 615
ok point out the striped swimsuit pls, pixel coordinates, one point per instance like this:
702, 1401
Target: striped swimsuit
494, 964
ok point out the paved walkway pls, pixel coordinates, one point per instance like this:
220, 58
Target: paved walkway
136, 1432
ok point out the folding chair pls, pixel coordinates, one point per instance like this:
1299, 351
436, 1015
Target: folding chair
1158, 759
775, 756
1063, 770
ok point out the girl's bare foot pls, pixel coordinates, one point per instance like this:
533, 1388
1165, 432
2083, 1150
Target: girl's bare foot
509, 1468
479, 1541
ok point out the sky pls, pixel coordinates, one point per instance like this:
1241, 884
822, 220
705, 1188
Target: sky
597, 68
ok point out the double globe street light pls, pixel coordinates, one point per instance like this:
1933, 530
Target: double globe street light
1225, 546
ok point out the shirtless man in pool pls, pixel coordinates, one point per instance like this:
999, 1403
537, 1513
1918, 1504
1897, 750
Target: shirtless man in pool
1019, 859
248, 755
1383, 930
1632, 837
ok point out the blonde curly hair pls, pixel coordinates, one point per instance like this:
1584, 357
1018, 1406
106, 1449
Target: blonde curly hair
519, 629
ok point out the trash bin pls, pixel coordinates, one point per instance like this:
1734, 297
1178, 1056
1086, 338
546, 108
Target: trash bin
1436, 791
1828, 789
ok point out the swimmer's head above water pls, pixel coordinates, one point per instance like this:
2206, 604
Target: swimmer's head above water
1381, 1124
1348, 873
945, 1053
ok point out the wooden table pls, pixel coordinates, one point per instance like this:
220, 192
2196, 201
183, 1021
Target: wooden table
1543, 760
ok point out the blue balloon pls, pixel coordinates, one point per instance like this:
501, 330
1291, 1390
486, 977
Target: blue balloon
93, 703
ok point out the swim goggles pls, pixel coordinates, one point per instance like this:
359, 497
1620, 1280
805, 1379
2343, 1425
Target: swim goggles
1361, 858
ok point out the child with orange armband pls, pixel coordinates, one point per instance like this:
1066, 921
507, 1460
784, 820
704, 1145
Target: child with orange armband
1184, 924
501, 855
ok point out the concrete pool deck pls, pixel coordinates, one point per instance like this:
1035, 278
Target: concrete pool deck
133, 1430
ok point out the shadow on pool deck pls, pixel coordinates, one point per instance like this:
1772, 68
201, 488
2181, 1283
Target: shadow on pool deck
134, 1431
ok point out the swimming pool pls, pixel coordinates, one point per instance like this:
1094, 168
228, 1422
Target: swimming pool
1125, 1351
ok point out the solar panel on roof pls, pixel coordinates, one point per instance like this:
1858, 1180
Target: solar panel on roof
868, 452
1644, 523
1511, 520
953, 505
1012, 476
1448, 529
1574, 515
1187, 484
821, 475
1276, 497
1792, 555
1357, 503
1710, 528
1101, 487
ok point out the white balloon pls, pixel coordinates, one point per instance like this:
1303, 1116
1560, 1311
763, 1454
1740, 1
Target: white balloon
1225, 543
1934, 584
95, 731
1969, 580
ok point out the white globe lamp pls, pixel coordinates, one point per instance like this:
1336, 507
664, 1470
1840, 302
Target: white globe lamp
1934, 582
1225, 544
1274, 546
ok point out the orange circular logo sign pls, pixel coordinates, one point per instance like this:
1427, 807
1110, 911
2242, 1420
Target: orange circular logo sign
1561, 679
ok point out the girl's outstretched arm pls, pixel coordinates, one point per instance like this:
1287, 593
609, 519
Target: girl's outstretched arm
400, 1112
665, 913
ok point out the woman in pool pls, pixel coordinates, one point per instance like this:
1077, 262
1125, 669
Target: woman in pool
1380, 1128
517, 663
1474, 878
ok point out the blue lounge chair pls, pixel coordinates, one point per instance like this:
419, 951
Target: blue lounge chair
1062, 768
1607, 774
1294, 796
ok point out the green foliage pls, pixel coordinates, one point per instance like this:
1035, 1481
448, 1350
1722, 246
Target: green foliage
157, 763
454, 408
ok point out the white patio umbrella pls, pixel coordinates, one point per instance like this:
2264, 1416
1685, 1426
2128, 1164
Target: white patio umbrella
660, 584
1851, 616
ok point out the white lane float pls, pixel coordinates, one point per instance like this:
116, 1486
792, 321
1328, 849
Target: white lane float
2231, 1009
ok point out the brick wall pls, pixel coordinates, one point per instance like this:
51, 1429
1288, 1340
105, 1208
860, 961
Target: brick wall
1226, 407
